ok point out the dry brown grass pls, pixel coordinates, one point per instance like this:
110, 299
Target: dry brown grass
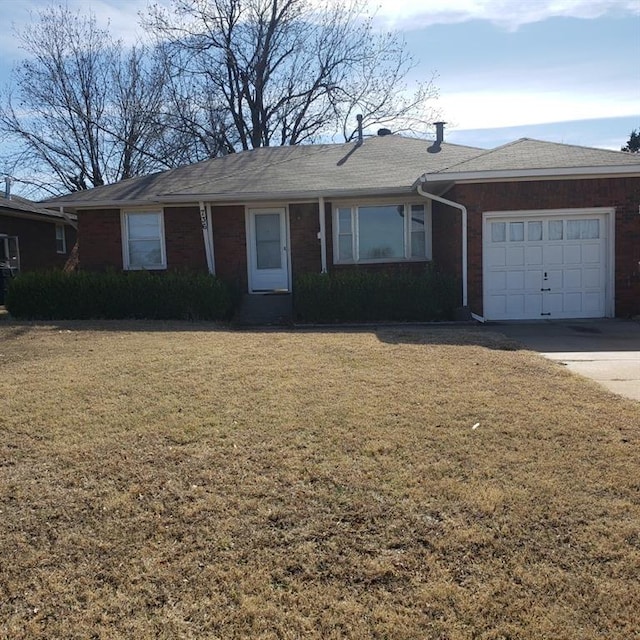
166, 481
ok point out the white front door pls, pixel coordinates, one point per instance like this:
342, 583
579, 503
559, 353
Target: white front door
545, 266
268, 255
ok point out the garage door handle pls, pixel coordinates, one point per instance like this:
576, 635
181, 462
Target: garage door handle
545, 289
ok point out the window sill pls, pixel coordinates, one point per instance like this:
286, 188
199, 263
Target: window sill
150, 268
382, 261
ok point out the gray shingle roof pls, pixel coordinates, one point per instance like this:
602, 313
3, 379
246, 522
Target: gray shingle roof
388, 164
18, 205
380, 164
536, 154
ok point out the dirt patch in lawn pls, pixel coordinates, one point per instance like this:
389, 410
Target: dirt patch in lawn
169, 481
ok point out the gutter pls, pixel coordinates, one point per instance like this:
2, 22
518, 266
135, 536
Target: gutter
559, 173
463, 211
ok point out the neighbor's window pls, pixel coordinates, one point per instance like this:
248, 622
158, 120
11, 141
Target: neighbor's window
381, 232
143, 240
61, 242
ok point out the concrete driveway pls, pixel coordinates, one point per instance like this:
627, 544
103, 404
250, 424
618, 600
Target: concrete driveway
607, 351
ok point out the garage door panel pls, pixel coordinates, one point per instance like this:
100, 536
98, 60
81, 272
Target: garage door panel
591, 302
591, 253
515, 280
572, 302
497, 256
533, 255
538, 267
496, 281
515, 305
553, 254
572, 254
533, 279
496, 306
533, 305
572, 279
515, 256
592, 278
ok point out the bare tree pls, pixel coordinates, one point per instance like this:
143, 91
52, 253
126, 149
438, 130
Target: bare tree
262, 72
84, 108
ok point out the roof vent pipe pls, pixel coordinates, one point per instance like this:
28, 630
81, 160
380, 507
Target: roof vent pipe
384, 132
360, 136
7, 187
436, 146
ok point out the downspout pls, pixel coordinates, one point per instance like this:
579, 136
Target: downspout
322, 235
463, 210
204, 221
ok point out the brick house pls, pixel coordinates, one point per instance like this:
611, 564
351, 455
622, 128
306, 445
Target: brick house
32, 237
532, 229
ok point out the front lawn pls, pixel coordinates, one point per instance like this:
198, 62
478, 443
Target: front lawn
177, 481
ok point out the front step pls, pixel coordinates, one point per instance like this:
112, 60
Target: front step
265, 309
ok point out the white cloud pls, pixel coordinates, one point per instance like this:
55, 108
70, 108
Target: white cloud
510, 14
504, 108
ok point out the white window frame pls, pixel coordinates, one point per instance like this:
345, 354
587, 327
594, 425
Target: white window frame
124, 224
61, 236
355, 230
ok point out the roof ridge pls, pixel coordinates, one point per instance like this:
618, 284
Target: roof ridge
575, 146
486, 152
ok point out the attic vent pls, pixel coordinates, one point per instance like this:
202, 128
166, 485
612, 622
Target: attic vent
384, 132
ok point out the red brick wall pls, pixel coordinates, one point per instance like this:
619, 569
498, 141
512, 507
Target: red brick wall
99, 239
304, 227
230, 244
184, 239
621, 193
446, 225
37, 242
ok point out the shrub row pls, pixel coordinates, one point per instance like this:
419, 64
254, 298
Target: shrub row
362, 296
54, 295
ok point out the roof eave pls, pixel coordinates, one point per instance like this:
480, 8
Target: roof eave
533, 174
235, 198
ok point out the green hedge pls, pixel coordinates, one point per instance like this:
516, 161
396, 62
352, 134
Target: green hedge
362, 296
54, 295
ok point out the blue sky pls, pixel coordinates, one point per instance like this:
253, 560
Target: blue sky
560, 70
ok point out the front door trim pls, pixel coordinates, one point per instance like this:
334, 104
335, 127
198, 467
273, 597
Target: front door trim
250, 211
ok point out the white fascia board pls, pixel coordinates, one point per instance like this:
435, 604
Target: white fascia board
192, 200
616, 171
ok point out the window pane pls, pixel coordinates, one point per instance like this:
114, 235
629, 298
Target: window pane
345, 247
516, 231
60, 239
583, 229
145, 253
344, 220
498, 232
418, 245
417, 217
534, 231
268, 254
381, 232
555, 229
268, 245
143, 225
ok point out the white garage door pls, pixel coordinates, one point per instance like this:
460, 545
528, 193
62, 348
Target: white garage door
544, 266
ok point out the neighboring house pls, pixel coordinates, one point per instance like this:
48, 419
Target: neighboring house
32, 237
532, 229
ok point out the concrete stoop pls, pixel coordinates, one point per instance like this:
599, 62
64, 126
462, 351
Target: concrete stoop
265, 309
